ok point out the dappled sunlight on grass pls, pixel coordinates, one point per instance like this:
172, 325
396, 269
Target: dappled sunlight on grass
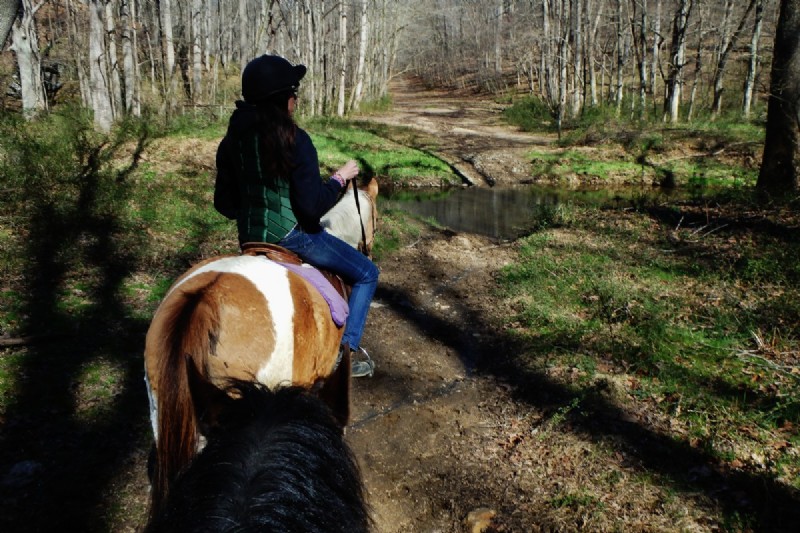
678, 316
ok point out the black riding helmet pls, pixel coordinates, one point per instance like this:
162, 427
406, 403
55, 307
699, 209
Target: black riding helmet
267, 75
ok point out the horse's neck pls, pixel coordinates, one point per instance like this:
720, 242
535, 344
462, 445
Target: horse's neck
342, 220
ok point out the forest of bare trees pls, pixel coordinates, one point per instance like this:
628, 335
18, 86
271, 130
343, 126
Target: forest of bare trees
120, 56
668, 60
665, 58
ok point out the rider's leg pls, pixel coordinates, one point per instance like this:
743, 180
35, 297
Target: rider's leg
326, 251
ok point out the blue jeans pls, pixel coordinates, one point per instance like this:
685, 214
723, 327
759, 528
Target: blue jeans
325, 251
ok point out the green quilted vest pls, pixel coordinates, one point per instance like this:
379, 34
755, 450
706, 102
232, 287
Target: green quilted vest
266, 214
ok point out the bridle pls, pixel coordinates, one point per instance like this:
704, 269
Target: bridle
362, 246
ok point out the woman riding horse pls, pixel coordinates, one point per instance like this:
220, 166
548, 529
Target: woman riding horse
247, 318
268, 180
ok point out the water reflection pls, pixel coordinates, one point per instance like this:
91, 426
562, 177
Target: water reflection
502, 213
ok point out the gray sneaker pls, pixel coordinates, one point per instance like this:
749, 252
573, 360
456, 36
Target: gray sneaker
361, 365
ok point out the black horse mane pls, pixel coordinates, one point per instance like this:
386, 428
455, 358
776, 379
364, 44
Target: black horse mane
277, 461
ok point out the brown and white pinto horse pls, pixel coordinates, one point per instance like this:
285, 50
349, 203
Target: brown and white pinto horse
244, 318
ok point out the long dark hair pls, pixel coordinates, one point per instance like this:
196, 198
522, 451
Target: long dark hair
276, 130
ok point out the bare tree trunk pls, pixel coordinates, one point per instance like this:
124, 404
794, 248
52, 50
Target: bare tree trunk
244, 55
130, 65
619, 93
563, 41
656, 52
343, 58
78, 48
391, 27
312, 57
698, 67
98, 74
727, 42
591, 35
498, 38
545, 83
25, 44
674, 82
206, 34
752, 66
577, 57
357, 95
640, 46
111, 61
780, 167
196, 27
168, 50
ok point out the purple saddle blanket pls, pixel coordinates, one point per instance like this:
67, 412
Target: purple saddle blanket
338, 305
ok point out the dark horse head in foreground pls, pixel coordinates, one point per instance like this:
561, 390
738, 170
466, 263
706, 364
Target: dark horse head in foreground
274, 461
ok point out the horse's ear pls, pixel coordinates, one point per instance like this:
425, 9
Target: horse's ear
371, 188
209, 401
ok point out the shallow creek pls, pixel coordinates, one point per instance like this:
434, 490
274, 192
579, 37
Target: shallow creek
505, 213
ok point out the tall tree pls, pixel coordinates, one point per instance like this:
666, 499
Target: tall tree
752, 64
780, 166
102, 101
342, 58
639, 38
357, 94
620, 56
25, 44
111, 63
167, 47
655, 55
130, 52
677, 61
577, 57
196, 18
726, 45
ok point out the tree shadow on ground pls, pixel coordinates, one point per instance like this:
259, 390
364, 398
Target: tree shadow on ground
65, 449
675, 463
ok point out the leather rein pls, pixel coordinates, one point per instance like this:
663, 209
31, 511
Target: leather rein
363, 244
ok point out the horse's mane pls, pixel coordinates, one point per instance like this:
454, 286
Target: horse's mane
277, 462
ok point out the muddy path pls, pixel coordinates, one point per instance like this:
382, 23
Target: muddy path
443, 443
429, 428
465, 130
457, 432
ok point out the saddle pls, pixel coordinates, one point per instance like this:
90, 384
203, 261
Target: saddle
292, 261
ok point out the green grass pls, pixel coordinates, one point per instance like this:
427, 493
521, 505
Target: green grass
72, 192
396, 228
570, 162
702, 153
337, 141
698, 172
681, 317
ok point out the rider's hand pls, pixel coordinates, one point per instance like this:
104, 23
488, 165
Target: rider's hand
348, 171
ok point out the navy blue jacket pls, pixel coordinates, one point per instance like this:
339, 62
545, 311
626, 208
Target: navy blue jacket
310, 196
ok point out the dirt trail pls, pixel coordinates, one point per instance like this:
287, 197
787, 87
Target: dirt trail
468, 131
436, 439
426, 427
424, 418
451, 431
